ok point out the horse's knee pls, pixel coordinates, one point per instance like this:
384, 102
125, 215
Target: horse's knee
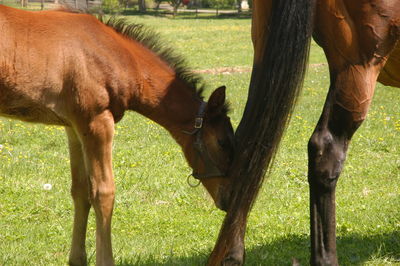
102, 196
326, 157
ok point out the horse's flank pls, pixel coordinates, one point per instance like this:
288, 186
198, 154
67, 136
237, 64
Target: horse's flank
56, 66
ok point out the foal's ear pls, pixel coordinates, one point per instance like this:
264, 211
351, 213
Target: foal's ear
217, 101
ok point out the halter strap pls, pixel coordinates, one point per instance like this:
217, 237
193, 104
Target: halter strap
210, 166
198, 121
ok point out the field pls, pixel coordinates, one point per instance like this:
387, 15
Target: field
160, 220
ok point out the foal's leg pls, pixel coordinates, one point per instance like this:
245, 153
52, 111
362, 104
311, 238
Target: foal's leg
97, 139
345, 109
80, 195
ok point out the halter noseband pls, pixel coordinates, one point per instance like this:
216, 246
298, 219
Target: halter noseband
210, 166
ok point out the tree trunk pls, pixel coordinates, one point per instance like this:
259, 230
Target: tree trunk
176, 4
142, 6
239, 5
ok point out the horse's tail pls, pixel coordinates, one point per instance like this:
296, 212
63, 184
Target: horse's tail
275, 85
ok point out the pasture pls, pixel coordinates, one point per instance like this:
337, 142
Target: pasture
160, 220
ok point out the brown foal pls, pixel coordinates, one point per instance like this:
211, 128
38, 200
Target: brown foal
70, 69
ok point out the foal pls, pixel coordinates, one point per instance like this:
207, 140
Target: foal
69, 69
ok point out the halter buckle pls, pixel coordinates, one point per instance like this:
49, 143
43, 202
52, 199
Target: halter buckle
190, 183
198, 122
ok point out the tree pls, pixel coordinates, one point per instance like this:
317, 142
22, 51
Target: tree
175, 4
239, 5
110, 6
24, 3
142, 5
219, 3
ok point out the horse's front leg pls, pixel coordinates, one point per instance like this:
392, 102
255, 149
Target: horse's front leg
97, 136
80, 195
346, 107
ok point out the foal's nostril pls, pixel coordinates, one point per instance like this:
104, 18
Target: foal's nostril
223, 205
223, 200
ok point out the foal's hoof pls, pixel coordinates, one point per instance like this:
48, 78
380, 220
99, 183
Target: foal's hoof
77, 262
233, 259
229, 261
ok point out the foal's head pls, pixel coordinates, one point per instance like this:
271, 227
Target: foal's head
210, 148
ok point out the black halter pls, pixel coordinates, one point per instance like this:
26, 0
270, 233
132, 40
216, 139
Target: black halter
211, 169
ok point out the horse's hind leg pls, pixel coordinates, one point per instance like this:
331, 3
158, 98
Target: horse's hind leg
343, 113
80, 195
327, 150
357, 48
96, 137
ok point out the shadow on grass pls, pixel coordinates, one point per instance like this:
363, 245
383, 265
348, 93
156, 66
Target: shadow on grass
353, 249
186, 15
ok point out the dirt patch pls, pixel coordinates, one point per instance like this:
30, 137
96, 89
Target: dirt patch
234, 70
224, 70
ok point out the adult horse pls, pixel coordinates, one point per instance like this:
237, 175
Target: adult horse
360, 40
70, 69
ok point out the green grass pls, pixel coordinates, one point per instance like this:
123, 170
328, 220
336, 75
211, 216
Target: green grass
160, 220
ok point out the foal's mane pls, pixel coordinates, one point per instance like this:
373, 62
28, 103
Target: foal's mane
152, 40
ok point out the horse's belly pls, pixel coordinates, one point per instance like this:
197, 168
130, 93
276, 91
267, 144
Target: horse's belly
33, 114
18, 104
390, 74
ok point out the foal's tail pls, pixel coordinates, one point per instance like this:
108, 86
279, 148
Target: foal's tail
275, 85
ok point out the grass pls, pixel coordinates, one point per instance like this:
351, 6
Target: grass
160, 220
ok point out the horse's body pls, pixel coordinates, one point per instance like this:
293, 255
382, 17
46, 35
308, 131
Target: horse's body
360, 40
70, 69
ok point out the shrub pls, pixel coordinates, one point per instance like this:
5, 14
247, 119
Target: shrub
219, 3
111, 6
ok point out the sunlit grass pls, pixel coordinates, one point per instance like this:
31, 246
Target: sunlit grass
160, 220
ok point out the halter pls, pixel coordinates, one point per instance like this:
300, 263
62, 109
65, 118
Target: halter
210, 166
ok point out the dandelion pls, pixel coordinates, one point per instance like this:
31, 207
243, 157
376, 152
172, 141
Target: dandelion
47, 186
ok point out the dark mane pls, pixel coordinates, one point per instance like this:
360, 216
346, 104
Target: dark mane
151, 40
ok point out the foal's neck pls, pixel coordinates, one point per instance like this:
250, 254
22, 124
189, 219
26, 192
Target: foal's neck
168, 101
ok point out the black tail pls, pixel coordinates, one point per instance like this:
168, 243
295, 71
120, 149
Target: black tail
275, 85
